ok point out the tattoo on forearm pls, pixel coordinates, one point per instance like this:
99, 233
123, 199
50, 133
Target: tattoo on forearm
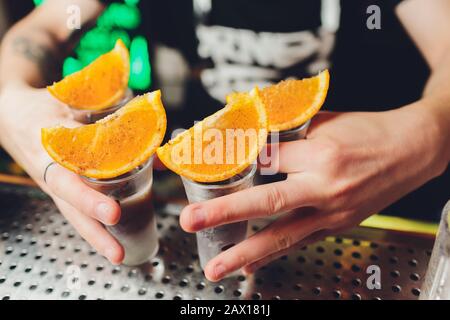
39, 54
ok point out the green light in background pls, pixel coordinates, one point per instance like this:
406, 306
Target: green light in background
87, 56
140, 71
140, 68
38, 2
96, 38
113, 24
119, 34
71, 65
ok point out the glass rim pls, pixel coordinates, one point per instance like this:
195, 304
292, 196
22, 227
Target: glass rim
446, 217
222, 184
293, 130
123, 177
127, 97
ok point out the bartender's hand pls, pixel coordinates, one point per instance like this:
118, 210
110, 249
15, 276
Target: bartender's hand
23, 112
351, 166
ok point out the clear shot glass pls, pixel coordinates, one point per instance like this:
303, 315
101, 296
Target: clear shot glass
136, 230
211, 242
91, 116
436, 285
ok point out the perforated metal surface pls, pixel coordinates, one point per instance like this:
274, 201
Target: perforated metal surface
42, 257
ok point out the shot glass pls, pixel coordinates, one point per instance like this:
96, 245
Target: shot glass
91, 116
136, 230
436, 285
211, 242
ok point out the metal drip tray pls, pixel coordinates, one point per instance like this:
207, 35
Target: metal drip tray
42, 257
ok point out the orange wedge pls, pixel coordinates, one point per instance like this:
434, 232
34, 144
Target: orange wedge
222, 145
291, 103
99, 85
113, 145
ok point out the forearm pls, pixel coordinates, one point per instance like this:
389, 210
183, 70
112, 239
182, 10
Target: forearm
428, 24
437, 98
27, 56
436, 102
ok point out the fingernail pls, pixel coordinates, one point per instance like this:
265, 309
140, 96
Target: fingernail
103, 212
110, 254
246, 271
219, 271
198, 218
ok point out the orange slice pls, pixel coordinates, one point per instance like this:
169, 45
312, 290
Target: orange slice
99, 85
291, 103
223, 144
113, 145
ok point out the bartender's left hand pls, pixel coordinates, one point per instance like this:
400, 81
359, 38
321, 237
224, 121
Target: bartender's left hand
351, 166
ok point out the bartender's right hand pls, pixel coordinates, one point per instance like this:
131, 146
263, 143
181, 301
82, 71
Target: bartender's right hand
23, 112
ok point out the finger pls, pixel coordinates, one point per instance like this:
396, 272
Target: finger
320, 120
93, 232
70, 188
256, 202
313, 238
265, 156
278, 236
285, 157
